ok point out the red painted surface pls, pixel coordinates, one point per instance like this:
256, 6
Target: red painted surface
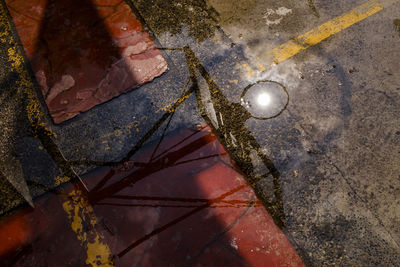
84, 52
183, 204
14, 233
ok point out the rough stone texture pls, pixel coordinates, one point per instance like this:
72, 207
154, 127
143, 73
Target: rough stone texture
84, 53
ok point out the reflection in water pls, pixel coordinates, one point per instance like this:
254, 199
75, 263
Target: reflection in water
228, 120
180, 201
263, 99
83, 52
133, 194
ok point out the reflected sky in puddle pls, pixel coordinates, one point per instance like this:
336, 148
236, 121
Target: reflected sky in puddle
180, 201
195, 196
265, 99
140, 186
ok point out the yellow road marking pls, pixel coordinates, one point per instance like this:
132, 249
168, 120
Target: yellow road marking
60, 180
325, 30
83, 223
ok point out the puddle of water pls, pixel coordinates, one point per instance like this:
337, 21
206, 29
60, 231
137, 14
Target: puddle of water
205, 194
185, 199
180, 201
172, 18
265, 99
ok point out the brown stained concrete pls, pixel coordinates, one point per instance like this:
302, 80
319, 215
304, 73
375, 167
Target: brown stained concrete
335, 148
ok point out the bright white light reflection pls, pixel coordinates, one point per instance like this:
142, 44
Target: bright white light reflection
263, 99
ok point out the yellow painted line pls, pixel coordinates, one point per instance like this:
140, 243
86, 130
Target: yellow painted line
60, 180
84, 223
327, 29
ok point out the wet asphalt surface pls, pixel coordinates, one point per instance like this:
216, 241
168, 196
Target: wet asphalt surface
335, 146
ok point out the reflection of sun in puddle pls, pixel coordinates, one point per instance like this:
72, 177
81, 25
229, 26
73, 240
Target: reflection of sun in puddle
263, 99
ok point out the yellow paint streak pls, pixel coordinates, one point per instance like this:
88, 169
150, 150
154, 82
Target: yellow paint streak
322, 32
261, 68
250, 71
83, 223
60, 180
169, 108
127, 129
